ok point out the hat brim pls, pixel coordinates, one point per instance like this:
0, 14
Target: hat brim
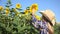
46, 17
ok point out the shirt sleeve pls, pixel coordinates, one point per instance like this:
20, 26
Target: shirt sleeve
36, 23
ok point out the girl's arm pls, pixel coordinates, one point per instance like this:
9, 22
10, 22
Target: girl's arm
34, 20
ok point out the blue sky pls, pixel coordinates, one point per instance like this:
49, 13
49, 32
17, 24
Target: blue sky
53, 5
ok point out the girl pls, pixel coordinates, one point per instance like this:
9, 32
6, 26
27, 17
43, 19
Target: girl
44, 25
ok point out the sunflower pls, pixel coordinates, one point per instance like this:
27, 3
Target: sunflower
7, 11
38, 17
34, 6
26, 12
1, 7
18, 6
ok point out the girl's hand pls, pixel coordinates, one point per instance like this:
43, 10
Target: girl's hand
33, 12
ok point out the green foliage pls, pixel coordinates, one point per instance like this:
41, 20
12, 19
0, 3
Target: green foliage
17, 24
57, 29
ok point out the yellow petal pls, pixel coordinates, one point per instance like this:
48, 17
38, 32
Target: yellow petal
26, 12
38, 17
34, 6
7, 11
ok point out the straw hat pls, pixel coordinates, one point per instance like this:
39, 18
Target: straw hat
49, 16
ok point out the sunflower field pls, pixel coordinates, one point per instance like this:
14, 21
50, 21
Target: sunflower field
12, 21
